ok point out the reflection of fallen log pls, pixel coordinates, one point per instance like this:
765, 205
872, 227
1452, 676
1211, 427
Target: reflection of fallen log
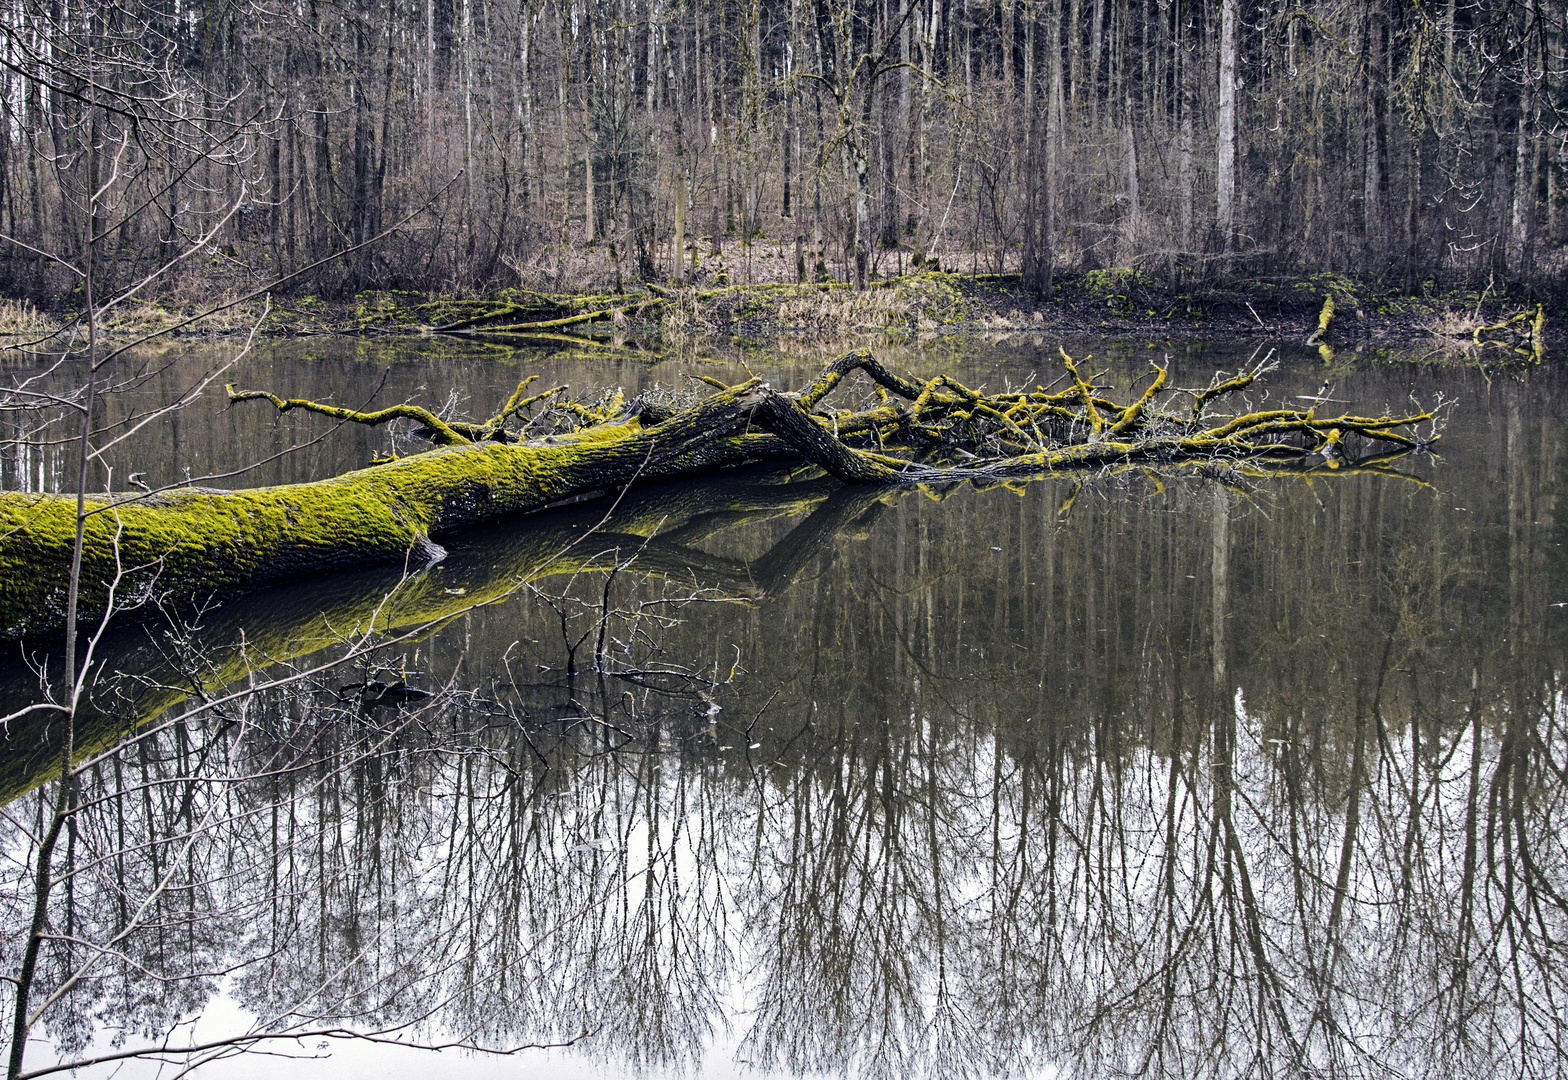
653, 534
1523, 332
655, 531
187, 542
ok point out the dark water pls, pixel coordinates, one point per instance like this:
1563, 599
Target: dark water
1145, 772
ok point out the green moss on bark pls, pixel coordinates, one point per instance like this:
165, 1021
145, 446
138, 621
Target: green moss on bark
196, 542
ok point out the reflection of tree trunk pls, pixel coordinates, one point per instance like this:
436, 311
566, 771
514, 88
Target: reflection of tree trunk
1347, 849
1219, 562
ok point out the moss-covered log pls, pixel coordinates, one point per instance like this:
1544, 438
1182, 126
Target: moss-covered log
1524, 332
543, 312
192, 542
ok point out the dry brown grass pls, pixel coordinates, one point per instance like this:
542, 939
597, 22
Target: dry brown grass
19, 318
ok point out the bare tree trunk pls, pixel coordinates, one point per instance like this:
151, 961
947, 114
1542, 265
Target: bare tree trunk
1029, 163
563, 77
677, 260
1096, 47
1413, 217
1524, 183
590, 35
1187, 180
1008, 18
471, 173
675, 98
861, 241
750, 121
791, 106
531, 160
1134, 204
1075, 52
1225, 143
1376, 134
920, 150
1053, 138
715, 134
906, 120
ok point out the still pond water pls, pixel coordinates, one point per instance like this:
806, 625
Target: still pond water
1133, 773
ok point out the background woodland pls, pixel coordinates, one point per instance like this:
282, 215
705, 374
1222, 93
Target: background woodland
571, 143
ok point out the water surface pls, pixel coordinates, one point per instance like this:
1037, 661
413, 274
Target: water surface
1180, 772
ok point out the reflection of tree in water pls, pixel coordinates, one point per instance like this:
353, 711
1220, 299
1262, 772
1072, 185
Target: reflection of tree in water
923, 850
910, 901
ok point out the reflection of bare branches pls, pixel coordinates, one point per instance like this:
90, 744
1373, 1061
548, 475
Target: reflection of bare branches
909, 899
918, 819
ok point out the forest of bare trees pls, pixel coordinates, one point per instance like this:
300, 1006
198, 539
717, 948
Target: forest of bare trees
602, 140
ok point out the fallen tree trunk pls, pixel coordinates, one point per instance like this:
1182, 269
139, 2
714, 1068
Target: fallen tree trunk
196, 543
544, 312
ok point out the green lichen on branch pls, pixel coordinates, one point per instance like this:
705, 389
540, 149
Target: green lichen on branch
189, 543
948, 431
440, 432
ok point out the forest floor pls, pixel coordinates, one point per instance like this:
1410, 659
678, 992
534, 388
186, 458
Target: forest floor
1105, 303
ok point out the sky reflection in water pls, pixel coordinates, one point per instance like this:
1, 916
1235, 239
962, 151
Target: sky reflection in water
1154, 774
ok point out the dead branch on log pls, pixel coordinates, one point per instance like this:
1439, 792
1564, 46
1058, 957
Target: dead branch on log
438, 431
1522, 333
547, 313
948, 431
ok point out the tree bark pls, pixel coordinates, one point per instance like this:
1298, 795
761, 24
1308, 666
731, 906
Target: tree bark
190, 542
1188, 104
1225, 145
